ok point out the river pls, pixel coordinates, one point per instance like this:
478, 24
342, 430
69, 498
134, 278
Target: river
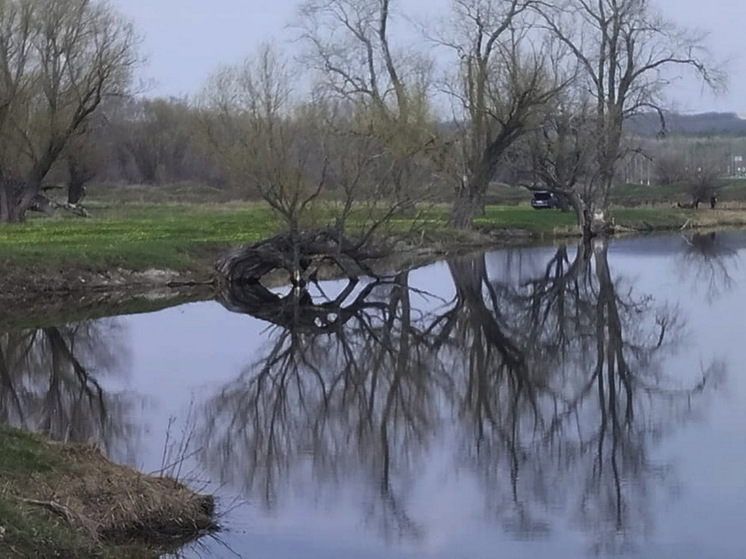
535, 402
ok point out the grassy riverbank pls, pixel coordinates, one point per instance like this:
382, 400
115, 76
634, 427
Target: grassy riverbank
64, 500
175, 228
135, 236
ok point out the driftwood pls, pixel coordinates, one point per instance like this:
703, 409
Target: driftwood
295, 253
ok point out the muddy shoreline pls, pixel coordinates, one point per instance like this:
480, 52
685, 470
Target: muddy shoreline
78, 295
45, 291
20, 285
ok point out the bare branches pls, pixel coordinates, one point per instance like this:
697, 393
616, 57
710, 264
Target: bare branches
502, 82
541, 367
625, 53
58, 60
358, 64
349, 44
257, 138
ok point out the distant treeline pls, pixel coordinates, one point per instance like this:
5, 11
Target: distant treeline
697, 125
141, 141
157, 141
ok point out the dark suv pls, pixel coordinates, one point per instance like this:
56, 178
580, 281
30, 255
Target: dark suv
544, 199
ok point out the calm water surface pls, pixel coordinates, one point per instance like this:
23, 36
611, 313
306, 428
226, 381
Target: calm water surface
544, 402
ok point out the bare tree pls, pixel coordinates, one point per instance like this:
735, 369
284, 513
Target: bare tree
250, 109
356, 61
58, 60
669, 165
557, 156
704, 178
295, 154
623, 50
261, 135
503, 80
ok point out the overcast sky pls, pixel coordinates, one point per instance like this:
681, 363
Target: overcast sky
185, 40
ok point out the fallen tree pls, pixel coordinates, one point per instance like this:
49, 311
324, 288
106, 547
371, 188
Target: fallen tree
295, 253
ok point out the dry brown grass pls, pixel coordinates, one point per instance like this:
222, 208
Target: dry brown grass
110, 503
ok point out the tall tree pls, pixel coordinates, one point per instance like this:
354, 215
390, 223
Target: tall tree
503, 79
558, 156
59, 59
352, 49
625, 53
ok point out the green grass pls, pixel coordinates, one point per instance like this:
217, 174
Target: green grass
22, 454
728, 191
185, 237
629, 195
526, 218
184, 227
135, 236
653, 218
190, 237
641, 195
34, 534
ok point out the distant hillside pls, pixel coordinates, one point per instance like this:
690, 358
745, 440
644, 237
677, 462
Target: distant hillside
702, 124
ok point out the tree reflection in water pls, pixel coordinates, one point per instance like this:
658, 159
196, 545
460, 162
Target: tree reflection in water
349, 383
50, 382
708, 261
553, 387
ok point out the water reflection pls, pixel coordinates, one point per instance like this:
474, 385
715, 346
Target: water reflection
349, 383
50, 382
709, 262
549, 386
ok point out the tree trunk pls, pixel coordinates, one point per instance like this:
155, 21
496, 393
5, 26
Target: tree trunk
80, 173
147, 165
4, 207
75, 191
16, 198
465, 209
581, 212
469, 202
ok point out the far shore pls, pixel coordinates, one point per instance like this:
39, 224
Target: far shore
116, 258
